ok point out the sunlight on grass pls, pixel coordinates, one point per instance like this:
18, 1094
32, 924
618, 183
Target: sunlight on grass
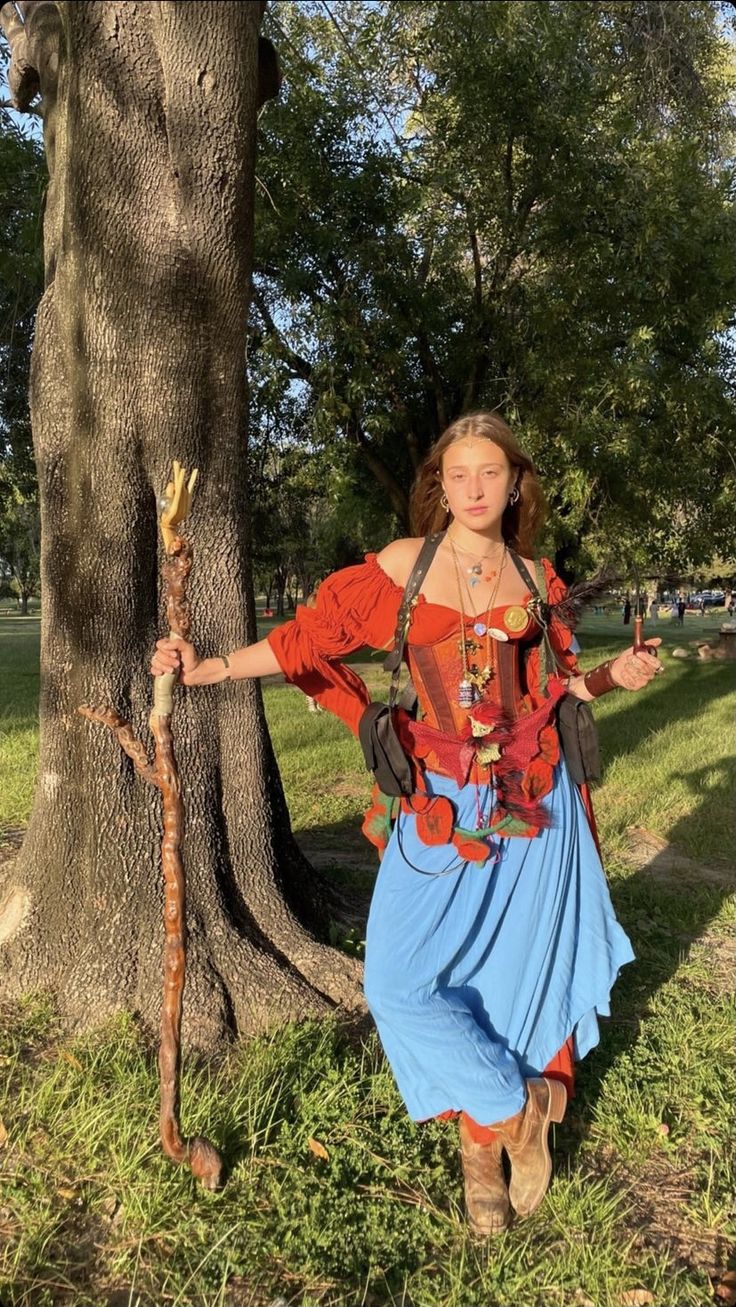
90, 1207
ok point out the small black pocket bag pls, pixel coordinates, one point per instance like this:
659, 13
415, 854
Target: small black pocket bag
383, 754
579, 739
382, 750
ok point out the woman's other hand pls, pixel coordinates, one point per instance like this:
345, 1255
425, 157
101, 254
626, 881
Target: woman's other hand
175, 655
633, 669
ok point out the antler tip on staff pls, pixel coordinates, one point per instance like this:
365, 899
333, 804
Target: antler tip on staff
175, 502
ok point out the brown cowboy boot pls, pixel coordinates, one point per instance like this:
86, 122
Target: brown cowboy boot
486, 1195
524, 1136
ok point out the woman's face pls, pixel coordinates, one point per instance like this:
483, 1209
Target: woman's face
477, 479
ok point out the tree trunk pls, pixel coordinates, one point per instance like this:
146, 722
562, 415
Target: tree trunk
279, 581
138, 359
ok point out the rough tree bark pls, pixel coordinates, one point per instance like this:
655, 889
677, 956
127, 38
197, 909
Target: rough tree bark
149, 124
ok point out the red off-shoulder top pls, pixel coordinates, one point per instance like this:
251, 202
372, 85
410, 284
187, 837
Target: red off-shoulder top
357, 607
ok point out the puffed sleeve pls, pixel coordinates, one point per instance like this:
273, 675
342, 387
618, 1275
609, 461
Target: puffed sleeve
562, 637
356, 607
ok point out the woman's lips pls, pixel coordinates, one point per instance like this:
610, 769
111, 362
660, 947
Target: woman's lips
482, 509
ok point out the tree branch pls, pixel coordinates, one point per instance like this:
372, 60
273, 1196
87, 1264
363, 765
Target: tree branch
432, 374
398, 497
33, 37
477, 265
300, 367
125, 737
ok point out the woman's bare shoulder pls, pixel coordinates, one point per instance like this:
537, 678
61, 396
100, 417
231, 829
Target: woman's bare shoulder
398, 558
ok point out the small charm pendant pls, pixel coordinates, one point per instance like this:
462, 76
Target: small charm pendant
466, 695
494, 632
476, 568
480, 628
490, 576
473, 581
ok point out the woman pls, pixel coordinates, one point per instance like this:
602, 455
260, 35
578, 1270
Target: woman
492, 944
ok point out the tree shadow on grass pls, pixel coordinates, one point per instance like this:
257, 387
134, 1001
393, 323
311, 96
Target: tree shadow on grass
668, 903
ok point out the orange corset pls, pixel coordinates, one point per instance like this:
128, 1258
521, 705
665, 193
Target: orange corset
437, 669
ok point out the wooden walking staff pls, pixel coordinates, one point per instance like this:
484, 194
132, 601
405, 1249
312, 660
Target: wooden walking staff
199, 1153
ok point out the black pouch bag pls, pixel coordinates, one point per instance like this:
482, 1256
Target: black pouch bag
382, 750
575, 721
579, 739
383, 754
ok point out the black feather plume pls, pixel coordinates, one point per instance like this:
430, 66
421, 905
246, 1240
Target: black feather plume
570, 609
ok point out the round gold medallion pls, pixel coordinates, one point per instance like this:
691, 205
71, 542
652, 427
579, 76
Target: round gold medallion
515, 618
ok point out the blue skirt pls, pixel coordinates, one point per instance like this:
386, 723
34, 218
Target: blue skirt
477, 973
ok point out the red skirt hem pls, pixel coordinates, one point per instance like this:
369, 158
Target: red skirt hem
561, 1067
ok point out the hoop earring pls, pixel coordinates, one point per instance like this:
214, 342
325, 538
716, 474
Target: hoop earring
445, 503
513, 497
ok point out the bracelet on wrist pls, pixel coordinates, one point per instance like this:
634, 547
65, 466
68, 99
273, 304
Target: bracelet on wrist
599, 680
227, 665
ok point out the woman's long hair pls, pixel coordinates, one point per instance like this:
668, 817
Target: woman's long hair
521, 522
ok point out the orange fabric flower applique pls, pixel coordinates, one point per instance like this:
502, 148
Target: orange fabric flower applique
435, 816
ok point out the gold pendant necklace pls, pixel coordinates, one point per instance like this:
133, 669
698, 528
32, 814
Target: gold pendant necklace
474, 679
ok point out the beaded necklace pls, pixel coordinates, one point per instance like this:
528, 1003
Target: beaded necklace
474, 680
476, 570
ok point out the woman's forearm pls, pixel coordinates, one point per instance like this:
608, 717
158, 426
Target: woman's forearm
576, 685
252, 660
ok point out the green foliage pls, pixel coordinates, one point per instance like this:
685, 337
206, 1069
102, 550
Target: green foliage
20, 533
23, 173
24, 177
525, 205
307, 516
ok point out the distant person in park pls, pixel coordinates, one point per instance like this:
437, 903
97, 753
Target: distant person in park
627, 610
654, 609
681, 606
492, 945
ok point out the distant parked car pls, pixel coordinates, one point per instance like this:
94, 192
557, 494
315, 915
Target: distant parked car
710, 598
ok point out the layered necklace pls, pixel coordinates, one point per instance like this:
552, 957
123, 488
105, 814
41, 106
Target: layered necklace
476, 572
474, 679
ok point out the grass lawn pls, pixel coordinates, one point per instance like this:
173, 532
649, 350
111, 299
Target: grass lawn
334, 1197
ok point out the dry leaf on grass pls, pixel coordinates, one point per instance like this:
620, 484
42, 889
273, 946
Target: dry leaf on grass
3, 1134
636, 1298
318, 1149
71, 1059
67, 1193
725, 1290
